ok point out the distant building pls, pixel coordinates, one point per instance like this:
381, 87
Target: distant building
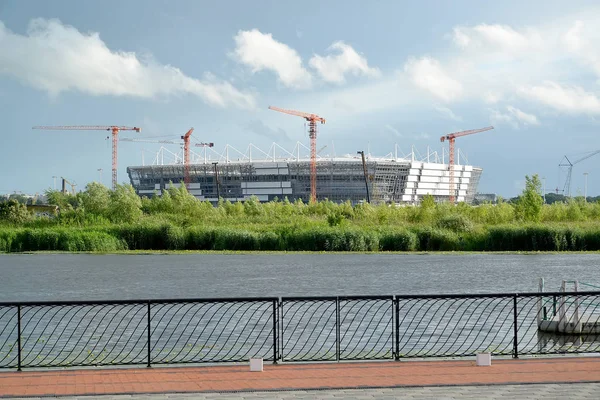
390, 179
486, 198
43, 210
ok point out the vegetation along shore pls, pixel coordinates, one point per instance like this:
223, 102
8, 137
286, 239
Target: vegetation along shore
103, 220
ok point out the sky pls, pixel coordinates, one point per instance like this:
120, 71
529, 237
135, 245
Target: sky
383, 74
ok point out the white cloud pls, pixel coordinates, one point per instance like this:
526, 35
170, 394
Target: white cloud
56, 58
568, 99
523, 117
581, 41
260, 52
496, 38
393, 130
428, 74
334, 67
513, 117
491, 98
448, 113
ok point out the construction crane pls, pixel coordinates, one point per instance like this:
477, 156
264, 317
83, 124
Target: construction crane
115, 134
64, 186
312, 133
186, 150
569, 165
451, 137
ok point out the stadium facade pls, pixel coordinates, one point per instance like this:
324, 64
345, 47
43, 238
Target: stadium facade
390, 179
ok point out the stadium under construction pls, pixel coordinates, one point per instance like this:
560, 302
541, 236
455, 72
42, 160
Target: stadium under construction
278, 173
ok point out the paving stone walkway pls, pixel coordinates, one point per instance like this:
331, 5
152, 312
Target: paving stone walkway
574, 391
561, 378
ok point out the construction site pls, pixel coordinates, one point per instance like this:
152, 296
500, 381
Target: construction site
298, 174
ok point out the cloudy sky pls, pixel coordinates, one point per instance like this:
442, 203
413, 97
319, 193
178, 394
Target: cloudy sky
388, 73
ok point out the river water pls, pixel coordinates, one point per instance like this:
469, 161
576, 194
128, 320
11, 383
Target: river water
52, 277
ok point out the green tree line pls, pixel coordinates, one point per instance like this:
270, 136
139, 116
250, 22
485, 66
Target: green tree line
100, 219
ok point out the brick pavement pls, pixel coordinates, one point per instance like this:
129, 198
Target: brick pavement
305, 376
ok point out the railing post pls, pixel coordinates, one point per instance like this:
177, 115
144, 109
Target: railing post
337, 329
149, 348
18, 338
281, 329
396, 303
516, 329
275, 331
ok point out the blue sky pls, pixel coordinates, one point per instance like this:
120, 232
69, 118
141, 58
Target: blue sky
384, 73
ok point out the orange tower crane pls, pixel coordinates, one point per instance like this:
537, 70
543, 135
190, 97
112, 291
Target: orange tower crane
115, 139
186, 150
451, 137
312, 132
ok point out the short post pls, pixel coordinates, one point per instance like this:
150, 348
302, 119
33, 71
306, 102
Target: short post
483, 359
18, 338
256, 364
149, 348
516, 328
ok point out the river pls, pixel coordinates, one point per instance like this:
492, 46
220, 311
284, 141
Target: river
52, 277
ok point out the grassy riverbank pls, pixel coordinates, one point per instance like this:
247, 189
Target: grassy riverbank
102, 220
285, 238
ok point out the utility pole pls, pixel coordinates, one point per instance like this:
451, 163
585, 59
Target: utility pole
362, 153
100, 170
217, 180
585, 174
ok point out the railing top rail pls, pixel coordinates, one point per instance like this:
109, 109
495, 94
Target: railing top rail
355, 297
141, 301
296, 298
495, 295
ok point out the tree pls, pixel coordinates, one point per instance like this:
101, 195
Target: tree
125, 204
96, 198
529, 205
14, 212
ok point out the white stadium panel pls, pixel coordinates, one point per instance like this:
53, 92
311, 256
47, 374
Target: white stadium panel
433, 185
273, 191
431, 172
268, 171
435, 166
261, 185
410, 185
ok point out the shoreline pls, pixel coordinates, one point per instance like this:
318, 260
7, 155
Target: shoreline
293, 252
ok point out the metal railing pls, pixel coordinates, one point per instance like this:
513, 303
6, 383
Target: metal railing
289, 329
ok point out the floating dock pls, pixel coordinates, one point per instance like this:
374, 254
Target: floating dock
569, 314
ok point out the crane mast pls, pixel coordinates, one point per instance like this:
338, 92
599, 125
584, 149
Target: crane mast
186, 150
570, 165
312, 133
114, 129
451, 137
